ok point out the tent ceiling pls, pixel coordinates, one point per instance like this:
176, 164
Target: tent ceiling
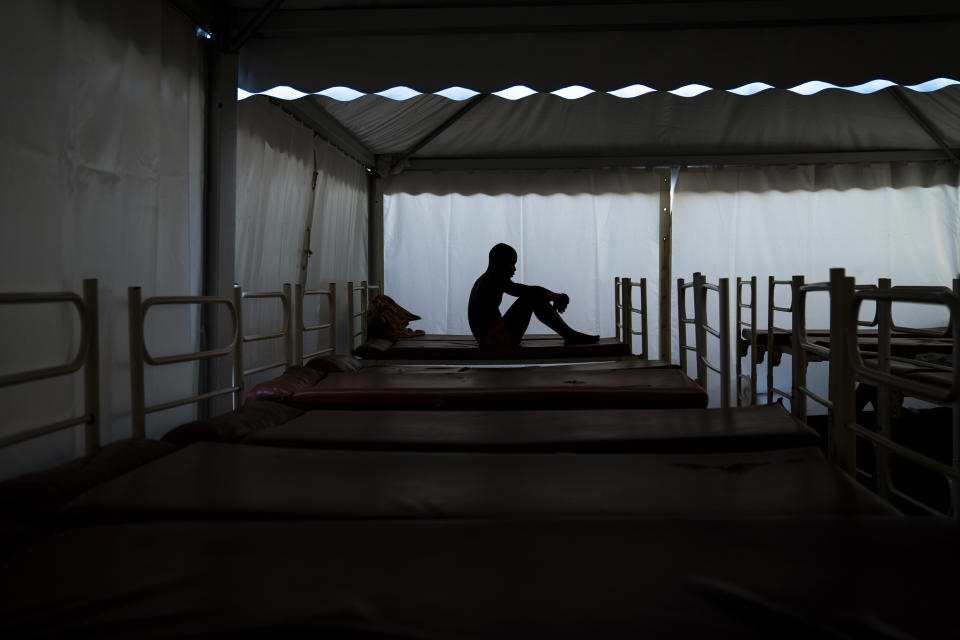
372, 45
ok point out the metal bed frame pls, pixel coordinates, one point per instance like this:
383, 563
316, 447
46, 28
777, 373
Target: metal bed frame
623, 322
284, 296
140, 355
624, 310
86, 358
330, 293
751, 377
702, 328
847, 370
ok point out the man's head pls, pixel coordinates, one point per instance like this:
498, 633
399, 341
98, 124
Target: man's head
503, 260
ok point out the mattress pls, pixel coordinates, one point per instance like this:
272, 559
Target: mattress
505, 388
465, 348
613, 431
226, 481
685, 578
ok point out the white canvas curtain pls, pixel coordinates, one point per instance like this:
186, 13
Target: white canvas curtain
898, 221
275, 164
100, 177
574, 233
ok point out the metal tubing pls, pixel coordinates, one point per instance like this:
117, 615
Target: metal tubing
627, 313
82, 349
363, 311
617, 310
724, 291
298, 323
884, 317
137, 402
91, 367
238, 346
842, 448
682, 322
700, 315
332, 314
350, 316
644, 343
798, 402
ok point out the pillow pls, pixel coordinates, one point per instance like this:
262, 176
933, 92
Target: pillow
334, 363
387, 319
233, 426
36, 496
289, 382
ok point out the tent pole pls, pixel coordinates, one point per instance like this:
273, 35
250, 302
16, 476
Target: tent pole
375, 256
219, 219
427, 139
666, 273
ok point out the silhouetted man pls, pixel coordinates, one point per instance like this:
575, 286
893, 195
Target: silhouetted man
493, 330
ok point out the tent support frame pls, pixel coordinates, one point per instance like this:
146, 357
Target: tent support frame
924, 123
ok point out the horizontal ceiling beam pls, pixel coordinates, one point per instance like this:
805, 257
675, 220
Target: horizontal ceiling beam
745, 159
592, 17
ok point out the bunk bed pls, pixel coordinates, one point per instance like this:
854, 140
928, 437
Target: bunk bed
535, 348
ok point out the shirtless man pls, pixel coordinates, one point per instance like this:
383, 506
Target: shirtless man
493, 330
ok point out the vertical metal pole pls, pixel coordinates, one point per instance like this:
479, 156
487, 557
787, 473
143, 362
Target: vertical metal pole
287, 318
617, 311
770, 304
842, 442
700, 315
363, 311
375, 228
753, 341
298, 323
332, 315
681, 325
739, 364
238, 340
91, 367
644, 343
666, 272
137, 403
350, 330
884, 326
955, 410
627, 314
724, 328
798, 399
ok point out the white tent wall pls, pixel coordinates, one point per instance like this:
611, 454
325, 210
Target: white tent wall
275, 204
900, 221
575, 231
101, 172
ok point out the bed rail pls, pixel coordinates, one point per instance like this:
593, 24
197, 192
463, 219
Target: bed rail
363, 289
140, 355
702, 327
751, 324
846, 301
330, 293
284, 296
87, 358
772, 309
624, 310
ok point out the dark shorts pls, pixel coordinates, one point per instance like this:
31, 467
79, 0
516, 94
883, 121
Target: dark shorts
499, 335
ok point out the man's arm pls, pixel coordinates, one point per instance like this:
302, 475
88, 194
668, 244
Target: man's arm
559, 300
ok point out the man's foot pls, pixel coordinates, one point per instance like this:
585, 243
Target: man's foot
580, 338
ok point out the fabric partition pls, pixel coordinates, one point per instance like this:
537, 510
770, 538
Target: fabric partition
574, 232
898, 221
276, 156
101, 174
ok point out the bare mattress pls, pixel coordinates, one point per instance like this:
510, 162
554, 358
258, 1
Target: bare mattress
229, 481
613, 431
464, 347
648, 577
503, 388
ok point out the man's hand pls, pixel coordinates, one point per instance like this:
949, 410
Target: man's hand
560, 302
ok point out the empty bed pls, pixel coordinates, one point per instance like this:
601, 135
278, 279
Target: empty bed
224, 481
482, 389
613, 431
650, 577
